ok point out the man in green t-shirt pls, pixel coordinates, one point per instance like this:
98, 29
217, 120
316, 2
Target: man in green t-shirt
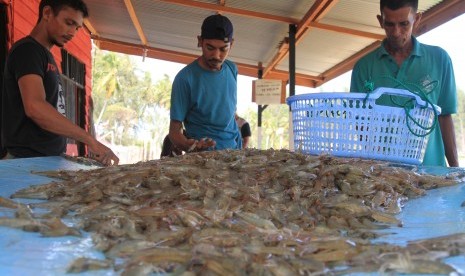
403, 62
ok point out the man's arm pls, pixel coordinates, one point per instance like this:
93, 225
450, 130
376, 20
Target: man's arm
245, 142
448, 137
48, 118
178, 138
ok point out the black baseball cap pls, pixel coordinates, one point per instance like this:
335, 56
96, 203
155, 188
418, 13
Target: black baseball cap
217, 27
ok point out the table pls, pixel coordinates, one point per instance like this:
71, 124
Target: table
24, 253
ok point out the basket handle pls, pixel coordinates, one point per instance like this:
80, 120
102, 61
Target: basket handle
378, 92
420, 102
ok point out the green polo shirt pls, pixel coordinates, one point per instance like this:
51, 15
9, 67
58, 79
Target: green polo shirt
428, 68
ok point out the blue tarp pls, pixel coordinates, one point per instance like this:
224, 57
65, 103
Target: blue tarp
23, 253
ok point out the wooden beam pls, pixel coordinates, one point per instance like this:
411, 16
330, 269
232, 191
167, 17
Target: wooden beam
279, 56
439, 14
347, 31
346, 65
183, 58
89, 27
230, 10
247, 69
163, 54
135, 21
318, 9
280, 74
140, 50
316, 12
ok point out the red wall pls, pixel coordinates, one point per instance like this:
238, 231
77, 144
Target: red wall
24, 18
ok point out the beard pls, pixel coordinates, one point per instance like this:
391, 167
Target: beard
57, 43
397, 43
214, 64
60, 42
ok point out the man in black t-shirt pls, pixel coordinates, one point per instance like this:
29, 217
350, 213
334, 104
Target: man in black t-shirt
244, 127
169, 149
3, 53
33, 106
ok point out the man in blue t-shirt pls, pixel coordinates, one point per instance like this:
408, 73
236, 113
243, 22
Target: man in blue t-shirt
403, 62
204, 93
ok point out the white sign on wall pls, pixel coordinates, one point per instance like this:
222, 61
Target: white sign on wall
268, 91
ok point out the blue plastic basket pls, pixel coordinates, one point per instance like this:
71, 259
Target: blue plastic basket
353, 125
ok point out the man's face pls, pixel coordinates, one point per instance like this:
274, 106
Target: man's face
62, 27
398, 25
214, 52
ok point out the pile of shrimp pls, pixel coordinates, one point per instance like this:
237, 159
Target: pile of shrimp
241, 212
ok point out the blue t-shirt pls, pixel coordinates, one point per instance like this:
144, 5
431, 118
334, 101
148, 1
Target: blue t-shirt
205, 101
429, 68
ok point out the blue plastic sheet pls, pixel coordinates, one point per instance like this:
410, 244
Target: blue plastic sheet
26, 253
22, 253
438, 213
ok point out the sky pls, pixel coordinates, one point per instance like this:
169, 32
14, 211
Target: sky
448, 36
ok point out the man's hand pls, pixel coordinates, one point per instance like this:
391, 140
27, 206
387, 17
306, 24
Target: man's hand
178, 138
103, 154
202, 144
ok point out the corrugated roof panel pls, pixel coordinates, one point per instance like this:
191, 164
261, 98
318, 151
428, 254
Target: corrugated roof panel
361, 14
425, 5
170, 26
319, 51
289, 8
103, 11
258, 43
176, 28
357, 14
344, 29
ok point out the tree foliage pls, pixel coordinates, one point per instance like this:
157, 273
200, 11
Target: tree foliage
275, 126
126, 101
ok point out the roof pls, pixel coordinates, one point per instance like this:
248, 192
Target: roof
331, 35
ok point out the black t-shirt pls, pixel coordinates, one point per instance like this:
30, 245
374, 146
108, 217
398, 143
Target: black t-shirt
245, 130
20, 135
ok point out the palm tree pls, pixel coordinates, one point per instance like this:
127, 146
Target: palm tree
106, 78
